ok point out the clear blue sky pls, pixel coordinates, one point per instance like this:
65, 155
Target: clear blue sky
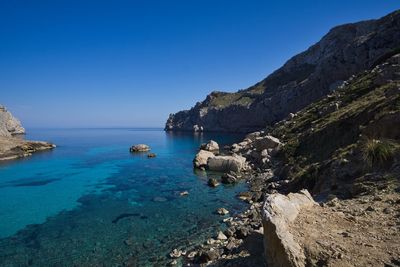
131, 63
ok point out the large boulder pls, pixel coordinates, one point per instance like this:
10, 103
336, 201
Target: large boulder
281, 250
210, 146
234, 163
201, 158
139, 148
267, 142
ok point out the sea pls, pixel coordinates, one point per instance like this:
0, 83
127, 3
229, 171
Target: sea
90, 202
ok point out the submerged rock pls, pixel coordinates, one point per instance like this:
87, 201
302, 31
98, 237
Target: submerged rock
184, 193
151, 155
139, 148
213, 182
222, 211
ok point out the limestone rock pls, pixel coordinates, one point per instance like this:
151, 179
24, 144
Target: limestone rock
9, 125
139, 148
228, 178
211, 146
278, 212
345, 50
213, 182
267, 142
222, 211
201, 158
221, 236
234, 163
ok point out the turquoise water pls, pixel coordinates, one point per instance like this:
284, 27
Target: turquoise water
90, 202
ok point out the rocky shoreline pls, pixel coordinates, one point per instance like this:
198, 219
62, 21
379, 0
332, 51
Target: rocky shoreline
12, 143
15, 147
345, 151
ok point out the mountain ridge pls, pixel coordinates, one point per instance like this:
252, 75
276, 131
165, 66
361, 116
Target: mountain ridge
308, 76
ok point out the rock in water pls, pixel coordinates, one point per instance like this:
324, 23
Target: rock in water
278, 212
213, 182
151, 155
222, 211
201, 158
211, 146
227, 178
233, 163
139, 148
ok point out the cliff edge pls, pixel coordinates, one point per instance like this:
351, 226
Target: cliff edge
346, 50
12, 143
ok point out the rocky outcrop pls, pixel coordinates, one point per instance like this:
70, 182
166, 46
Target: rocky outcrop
201, 158
210, 146
346, 50
9, 125
234, 163
281, 249
139, 148
13, 146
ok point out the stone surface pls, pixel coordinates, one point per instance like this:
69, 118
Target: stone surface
9, 125
139, 148
12, 145
213, 182
211, 146
228, 178
306, 77
267, 142
278, 212
201, 158
222, 211
233, 163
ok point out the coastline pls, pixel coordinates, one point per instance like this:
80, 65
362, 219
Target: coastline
16, 147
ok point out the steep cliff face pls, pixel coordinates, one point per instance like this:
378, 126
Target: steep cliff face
9, 125
346, 50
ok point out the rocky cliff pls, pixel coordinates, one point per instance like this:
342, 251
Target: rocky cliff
9, 125
344, 149
12, 145
346, 50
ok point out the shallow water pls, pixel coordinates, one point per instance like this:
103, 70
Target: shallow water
91, 202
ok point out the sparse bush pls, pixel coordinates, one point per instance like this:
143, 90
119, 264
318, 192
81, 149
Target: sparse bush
378, 152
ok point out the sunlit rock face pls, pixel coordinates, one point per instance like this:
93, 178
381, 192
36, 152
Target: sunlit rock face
346, 50
9, 125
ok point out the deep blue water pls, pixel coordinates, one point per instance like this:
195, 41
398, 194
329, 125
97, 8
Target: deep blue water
91, 202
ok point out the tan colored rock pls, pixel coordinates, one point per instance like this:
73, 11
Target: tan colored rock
281, 250
211, 146
267, 142
139, 148
233, 163
201, 158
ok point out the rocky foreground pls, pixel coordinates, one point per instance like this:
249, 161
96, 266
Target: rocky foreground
324, 183
12, 143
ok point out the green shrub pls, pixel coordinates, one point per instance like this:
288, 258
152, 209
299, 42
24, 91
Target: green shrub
378, 152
